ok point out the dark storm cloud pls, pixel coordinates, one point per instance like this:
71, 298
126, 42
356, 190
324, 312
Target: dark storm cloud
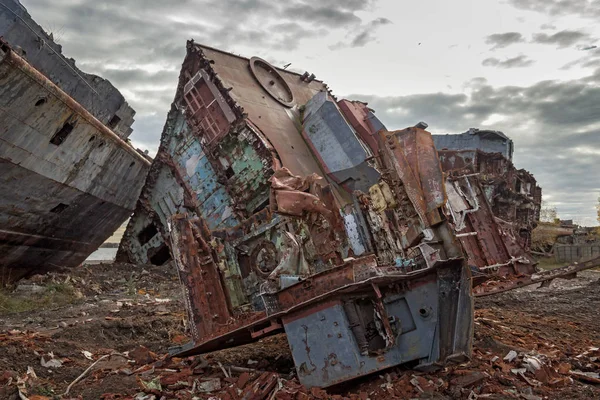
514, 62
501, 40
554, 125
561, 39
583, 8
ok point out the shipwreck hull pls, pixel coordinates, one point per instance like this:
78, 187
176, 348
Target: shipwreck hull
67, 182
348, 321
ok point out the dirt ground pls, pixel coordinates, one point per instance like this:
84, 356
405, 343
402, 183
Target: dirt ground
122, 319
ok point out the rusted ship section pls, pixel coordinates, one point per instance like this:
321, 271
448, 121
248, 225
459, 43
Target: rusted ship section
286, 210
67, 180
281, 218
512, 193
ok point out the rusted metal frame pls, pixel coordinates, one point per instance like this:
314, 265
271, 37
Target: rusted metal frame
481, 221
205, 64
17, 62
389, 338
239, 122
244, 326
274, 326
255, 225
536, 278
206, 297
344, 286
394, 155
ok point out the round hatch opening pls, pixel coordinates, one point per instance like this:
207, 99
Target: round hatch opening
271, 80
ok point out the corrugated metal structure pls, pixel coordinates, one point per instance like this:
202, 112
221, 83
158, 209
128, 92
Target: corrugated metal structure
67, 181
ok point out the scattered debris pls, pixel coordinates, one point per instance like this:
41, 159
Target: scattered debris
529, 322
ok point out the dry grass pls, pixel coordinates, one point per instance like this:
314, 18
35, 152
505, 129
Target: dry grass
51, 296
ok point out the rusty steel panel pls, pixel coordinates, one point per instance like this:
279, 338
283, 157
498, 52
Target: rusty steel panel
278, 123
336, 146
364, 122
412, 154
513, 194
204, 294
328, 349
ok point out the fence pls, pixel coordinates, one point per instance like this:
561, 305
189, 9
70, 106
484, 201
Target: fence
576, 252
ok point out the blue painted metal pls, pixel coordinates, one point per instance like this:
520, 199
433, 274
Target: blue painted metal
474, 139
338, 148
326, 351
430, 322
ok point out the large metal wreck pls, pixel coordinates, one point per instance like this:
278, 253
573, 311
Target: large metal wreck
286, 210
280, 218
68, 177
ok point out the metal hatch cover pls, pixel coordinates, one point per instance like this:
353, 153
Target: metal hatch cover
269, 78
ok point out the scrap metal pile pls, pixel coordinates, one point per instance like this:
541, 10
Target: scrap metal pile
286, 210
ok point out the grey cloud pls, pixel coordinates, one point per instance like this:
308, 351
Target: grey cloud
583, 8
149, 128
353, 5
501, 40
321, 15
554, 125
136, 76
514, 62
365, 35
561, 39
362, 39
591, 59
368, 34
124, 40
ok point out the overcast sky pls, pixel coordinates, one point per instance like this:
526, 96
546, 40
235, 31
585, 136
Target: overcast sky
529, 68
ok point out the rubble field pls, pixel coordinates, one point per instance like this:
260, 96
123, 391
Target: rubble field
103, 331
